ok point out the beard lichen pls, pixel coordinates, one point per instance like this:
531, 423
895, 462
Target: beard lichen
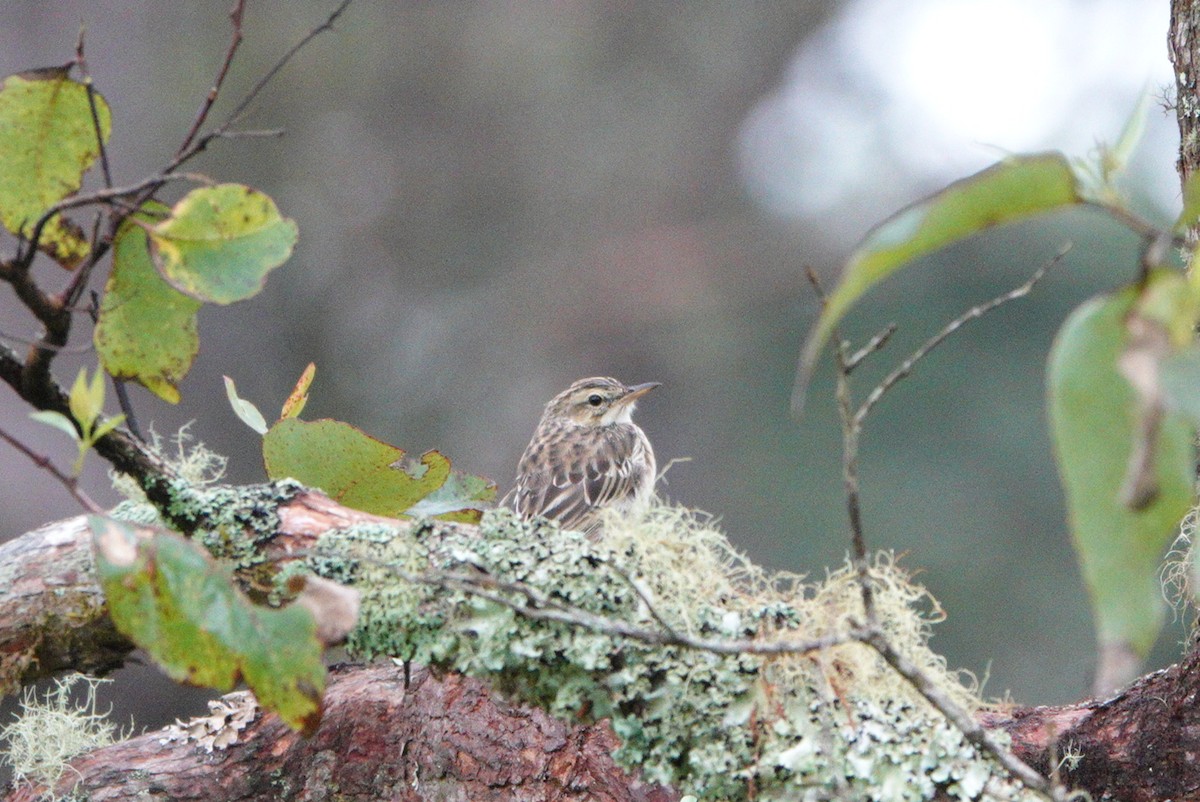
719, 726
52, 728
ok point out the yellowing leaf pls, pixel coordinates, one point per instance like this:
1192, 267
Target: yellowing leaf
350, 466
47, 142
219, 243
147, 329
170, 598
1012, 190
295, 402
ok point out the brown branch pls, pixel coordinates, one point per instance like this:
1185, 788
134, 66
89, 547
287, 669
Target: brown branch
52, 612
1138, 745
387, 733
52, 618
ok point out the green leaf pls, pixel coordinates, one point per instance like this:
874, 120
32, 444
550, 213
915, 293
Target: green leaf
172, 599
245, 410
1181, 383
1117, 157
1012, 190
58, 421
1096, 419
47, 142
220, 242
147, 329
350, 466
462, 499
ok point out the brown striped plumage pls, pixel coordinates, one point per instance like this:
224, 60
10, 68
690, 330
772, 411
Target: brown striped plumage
586, 454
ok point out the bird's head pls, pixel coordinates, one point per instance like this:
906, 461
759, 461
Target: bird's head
598, 401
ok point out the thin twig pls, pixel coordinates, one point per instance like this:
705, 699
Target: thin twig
91, 95
235, 17
193, 146
975, 312
852, 425
46, 464
536, 605
874, 344
644, 596
107, 196
265, 133
850, 436
118, 384
75, 349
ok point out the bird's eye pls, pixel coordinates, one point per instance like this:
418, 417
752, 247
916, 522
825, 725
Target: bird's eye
595, 399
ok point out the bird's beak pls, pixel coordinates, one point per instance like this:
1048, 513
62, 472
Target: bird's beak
638, 390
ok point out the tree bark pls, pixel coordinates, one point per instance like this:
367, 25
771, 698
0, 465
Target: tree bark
52, 613
1184, 47
451, 737
387, 733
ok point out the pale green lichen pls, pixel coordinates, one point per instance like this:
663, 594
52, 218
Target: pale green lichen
716, 726
51, 729
231, 522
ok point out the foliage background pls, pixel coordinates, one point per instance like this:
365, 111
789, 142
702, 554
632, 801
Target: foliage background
497, 199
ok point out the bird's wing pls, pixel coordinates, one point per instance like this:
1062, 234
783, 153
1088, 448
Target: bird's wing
570, 489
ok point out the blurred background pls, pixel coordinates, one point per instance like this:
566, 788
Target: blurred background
496, 199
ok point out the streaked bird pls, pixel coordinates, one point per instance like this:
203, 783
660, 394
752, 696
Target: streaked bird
585, 455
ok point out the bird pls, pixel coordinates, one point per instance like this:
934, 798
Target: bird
586, 455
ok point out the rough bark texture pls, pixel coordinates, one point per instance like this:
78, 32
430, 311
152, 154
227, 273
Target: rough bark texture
384, 736
450, 738
52, 614
1184, 47
1140, 745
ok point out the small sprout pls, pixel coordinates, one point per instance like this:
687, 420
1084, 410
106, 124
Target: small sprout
86, 402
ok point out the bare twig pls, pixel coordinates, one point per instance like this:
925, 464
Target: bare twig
235, 18
265, 133
644, 596
850, 437
191, 145
77, 349
91, 94
536, 605
852, 425
109, 195
874, 344
975, 312
44, 462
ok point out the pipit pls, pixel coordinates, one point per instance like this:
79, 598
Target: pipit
585, 455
